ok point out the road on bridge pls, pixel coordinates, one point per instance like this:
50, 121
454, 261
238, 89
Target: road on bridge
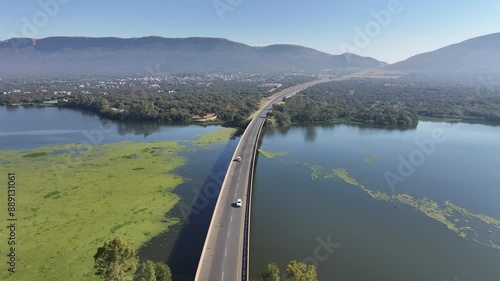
225, 253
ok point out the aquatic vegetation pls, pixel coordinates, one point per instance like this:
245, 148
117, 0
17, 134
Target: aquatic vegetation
220, 136
70, 203
466, 224
316, 171
268, 154
370, 159
35, 154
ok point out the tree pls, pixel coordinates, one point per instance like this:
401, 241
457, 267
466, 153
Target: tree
112, 260
298, 271
149, 271
145, 272
162, 272
272, 273
238, 119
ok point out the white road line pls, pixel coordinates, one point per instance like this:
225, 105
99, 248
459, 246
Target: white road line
231, 217
222, 276
229, 233
225, 254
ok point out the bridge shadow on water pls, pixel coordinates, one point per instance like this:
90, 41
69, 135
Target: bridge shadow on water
185, 241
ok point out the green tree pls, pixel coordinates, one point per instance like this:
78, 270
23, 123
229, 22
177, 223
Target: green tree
238, 120
162, 272
298, 271
145, 272
149, 271
272, 273
112, 260
103, 105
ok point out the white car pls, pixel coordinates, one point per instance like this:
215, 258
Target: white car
238, 159
238, 203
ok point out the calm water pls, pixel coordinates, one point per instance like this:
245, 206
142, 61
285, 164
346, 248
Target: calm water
181, 246
293, 215
22, 127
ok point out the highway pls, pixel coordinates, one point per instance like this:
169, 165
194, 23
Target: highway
225, 253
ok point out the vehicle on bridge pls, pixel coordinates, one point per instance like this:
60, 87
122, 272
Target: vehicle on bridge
238, 158
238, 203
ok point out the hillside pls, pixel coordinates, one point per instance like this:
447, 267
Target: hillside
157, 55
480, 55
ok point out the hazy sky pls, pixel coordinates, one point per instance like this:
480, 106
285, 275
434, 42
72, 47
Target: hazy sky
402, 29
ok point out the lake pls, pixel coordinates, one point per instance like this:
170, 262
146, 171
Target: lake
338, 199
181, 246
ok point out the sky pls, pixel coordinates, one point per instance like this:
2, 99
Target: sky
388, 30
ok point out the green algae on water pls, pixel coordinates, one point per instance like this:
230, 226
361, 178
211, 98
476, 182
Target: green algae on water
270, 155
222, 135
70, 202
466, 224
370, 159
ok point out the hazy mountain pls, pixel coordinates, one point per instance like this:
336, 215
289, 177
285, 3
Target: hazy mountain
157, 55
480, 55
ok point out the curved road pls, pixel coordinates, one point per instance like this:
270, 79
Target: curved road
225, 253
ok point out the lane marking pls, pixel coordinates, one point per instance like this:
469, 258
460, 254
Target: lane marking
229, 233
225, 254
222, 276
231, 218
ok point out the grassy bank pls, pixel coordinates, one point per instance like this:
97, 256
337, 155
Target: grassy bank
71, 198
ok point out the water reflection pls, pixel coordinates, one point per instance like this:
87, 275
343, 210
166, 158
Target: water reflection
145, 129
12, 108
463, 170
310, 134
311, 131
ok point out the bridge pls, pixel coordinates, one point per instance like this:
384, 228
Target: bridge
226, 250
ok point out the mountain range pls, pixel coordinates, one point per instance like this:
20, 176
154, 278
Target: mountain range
21, 57
157, 55
479, 55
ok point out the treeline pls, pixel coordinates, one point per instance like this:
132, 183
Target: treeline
387, 103
179, 101
295, 271
232, 102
